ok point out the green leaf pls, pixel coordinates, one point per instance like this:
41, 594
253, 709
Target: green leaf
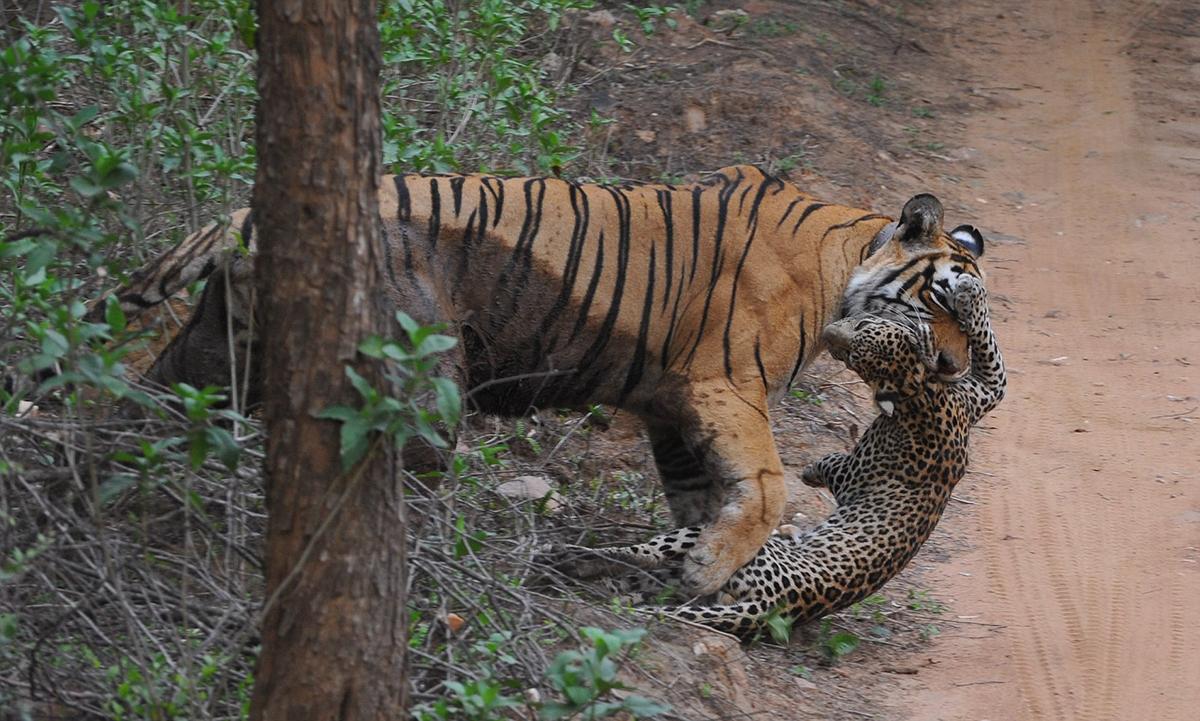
54, 344
406, 322
85, 187
355, 439
227, 449
555, 711
449, 403
198, 450
339, 413
372, 346
113, 315
841, 643
120, 174
360, 384
644, 707
83, 117
114, 486
435, 344
780, 627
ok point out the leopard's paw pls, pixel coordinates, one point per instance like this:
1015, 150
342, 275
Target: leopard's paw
574, 561
811, 476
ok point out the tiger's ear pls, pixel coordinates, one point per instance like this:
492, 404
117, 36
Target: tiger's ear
969, 237
921, 220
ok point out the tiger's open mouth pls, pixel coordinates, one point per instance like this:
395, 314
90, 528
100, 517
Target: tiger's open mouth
947, 370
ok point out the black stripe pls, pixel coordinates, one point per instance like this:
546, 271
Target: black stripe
791, 206
849, 223
752, 224
664, 204
464, 248
435, 213
742, 197
800, 355
515, 275
579, 206
248, 229
404, 200
597, 267
404, 215
762, 372
898, 272
639, 351
499, 205
670, 334
201, 248
718, 261
456, 187
605, 332
807, 212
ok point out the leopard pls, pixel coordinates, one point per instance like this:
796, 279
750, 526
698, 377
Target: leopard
891, 489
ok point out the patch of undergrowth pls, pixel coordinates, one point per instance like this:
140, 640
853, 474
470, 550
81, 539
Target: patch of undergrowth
131, 517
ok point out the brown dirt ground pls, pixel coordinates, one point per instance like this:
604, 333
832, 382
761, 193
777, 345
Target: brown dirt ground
1068, 132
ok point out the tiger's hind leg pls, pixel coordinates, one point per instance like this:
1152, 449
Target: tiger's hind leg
692, 493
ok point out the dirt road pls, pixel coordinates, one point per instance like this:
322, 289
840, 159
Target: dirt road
1086, 531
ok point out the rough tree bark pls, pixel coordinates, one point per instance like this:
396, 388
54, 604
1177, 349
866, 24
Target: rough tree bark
333, 629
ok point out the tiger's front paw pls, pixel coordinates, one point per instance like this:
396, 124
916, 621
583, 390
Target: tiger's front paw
716, 558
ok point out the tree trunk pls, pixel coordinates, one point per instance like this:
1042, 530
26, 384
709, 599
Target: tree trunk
333, 628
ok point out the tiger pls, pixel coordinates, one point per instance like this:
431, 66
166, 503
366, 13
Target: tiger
692, 306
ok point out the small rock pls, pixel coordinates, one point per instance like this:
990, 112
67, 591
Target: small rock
727, 20
602, 18
714, 646
552, 64
531, 488
1056, 313
27, 410
694, 119
646, 136
805, 684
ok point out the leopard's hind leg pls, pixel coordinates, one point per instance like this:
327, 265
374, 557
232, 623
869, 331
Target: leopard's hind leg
584, 562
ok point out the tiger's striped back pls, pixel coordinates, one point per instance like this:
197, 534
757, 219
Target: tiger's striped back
608, 292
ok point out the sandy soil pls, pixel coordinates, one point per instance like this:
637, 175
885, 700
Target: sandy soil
1087, 525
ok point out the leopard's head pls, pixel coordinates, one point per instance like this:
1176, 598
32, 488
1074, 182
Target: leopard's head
895, 358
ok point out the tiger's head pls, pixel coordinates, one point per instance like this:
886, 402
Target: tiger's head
910, 271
